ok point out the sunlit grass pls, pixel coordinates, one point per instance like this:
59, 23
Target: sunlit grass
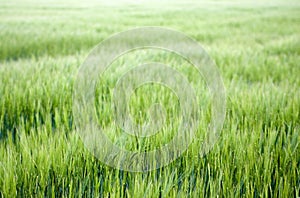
256, 47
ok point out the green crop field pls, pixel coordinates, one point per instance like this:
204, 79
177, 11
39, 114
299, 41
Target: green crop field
255, 45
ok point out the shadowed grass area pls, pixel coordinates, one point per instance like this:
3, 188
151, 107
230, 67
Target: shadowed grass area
256, 47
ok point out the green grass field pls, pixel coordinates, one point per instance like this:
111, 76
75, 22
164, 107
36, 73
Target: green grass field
256, 47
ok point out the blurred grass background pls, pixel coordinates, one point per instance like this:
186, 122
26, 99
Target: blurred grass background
254, 44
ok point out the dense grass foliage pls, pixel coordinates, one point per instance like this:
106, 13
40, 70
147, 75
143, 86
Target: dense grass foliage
256, 47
